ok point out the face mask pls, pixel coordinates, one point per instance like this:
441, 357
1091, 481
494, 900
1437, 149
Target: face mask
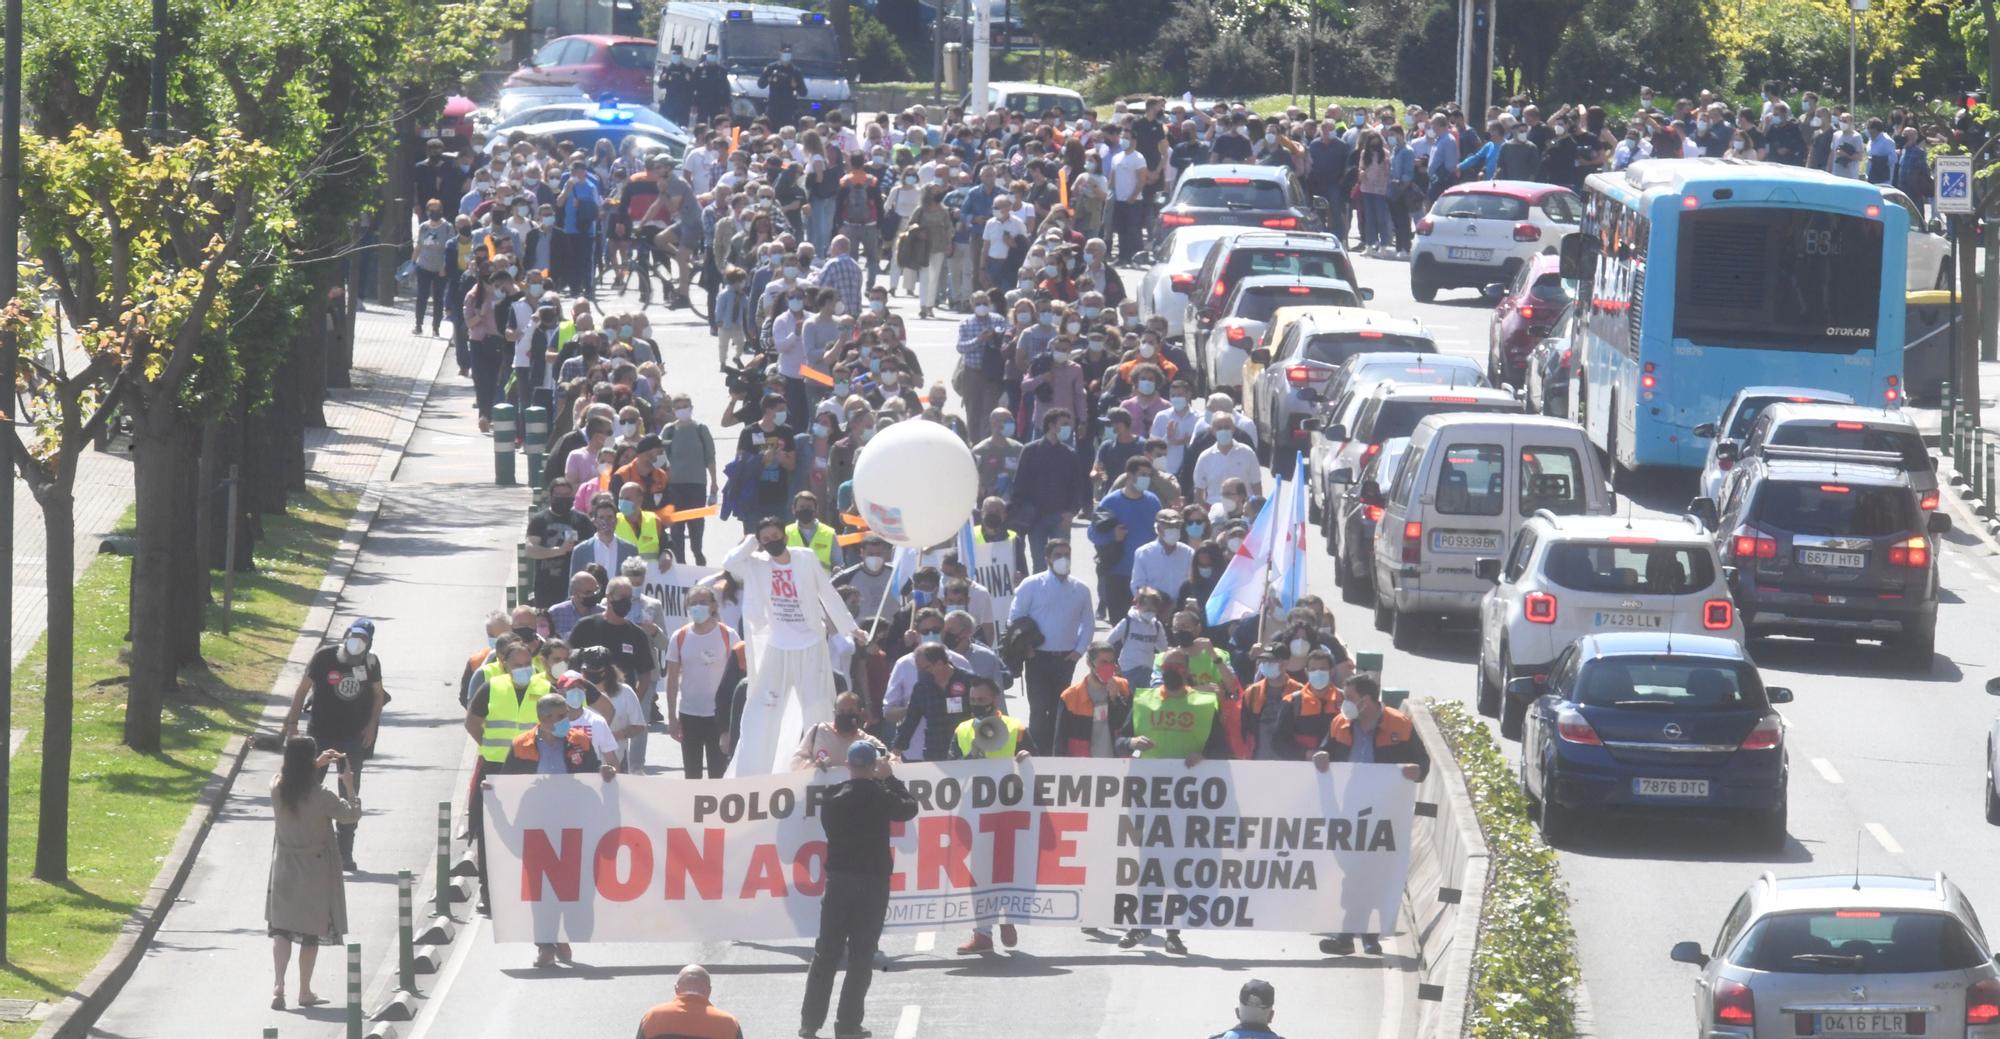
629, 508
1096, 345
888, 378
840, 388
981, 310
1180, 638
791, 273
1049, 270
574, 698
867, 434
492, 641
872, 564
1224, 437
982, 710
1007, 428
1060, 567
618, 607
1147, 349
1146, 387
1350, 710
927, 638
1063, 433
1073, 327
1318, 678
1267, 669
1105, 670
355, 646
806, 516
1270, 139
847, 721
1205, 571
877, 306
523, 675
778, 417
795, 304
699, 613
1142, 482
823, 431
683, 414
1046, 317
1235, 543
1169, 537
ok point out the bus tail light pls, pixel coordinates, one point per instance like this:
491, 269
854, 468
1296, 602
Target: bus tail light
1894, 392
1769, 731
1717, 614
1527, 232
1573, 727
1913, 552
1413, 542
1370, 451
1539, 608
1647, 379
1426, 225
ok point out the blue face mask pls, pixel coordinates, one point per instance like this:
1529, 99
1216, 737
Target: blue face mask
1318, 678
1007, 428
1048, 318
840, 389
1142, 482
562, 729
698, 613
1194, 530
1206, 571
1063, 433
1267, 669
922, 597
1224, 436
1146, 387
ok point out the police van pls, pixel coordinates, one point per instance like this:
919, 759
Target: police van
747, 38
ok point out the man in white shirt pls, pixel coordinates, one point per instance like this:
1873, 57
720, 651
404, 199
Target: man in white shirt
1224, 460
1165, 561
1127, 172
1177, 425
788, 601
1002, 231
1222, 403
697, 658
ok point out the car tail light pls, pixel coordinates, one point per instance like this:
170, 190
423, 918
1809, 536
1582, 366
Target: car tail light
1770, 729
1370, 451
1296, 374
1913, 551
1181, 283
1413, 542
1527, 312
1454, 400
1368, 333
1235, 182
1540, 608
1374, 513
1527, 232
1283, 223
1718, 614
1752, 544
1648, 380
1850, 425
1425, 226
1733, 1002
1176, 220
1929, 502
1982, 1002
1236, 333
1574, 728
1835, 488
1621, 539
1221, 289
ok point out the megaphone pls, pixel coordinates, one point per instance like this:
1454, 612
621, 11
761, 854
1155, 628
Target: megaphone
989, 735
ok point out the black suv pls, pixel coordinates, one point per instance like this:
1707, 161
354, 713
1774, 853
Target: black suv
1830, 548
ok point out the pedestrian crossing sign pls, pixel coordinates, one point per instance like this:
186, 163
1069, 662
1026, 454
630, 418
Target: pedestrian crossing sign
1954, 184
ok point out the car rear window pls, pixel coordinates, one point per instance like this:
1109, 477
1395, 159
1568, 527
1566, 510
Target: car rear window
1629, 568
1335, 347
1834, 509
1746, 415
1855, 436
1552, 478
1857, 941
1549, 287
1304, 263
633, 55
1684, 683
1480, 205
1036, 104
1231, 193
1471, 480
1259, 304
1398, 418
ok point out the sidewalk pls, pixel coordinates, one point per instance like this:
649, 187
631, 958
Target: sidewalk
431, 564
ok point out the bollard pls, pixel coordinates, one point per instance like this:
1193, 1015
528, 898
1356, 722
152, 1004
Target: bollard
270, 1033
1986, 489
354, 990
1946, 416
1368, 662
513, 598
444, 858
406, 934
1976, 461
535, 441
1394, 697
502, 418
524, 573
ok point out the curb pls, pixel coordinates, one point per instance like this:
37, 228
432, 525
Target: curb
78, 1011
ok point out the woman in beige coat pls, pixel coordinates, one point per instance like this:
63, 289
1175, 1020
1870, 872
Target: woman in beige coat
305, 902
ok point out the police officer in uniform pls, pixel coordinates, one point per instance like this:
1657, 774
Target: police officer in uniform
345, 681
676, 88
786, 85
1255, 1006
711, 88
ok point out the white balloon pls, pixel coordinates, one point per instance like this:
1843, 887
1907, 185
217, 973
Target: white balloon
915, 483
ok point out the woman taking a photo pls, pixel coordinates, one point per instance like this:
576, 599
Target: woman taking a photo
305, 902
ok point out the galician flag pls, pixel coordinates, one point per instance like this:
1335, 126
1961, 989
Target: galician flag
1240, 593
1288, 554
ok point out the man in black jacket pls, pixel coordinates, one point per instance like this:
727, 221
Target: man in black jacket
856, 814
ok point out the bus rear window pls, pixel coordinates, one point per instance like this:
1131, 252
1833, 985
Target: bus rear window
1231, 193
1778, 279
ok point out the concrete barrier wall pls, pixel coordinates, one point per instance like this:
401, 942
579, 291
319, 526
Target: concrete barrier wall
1447, 886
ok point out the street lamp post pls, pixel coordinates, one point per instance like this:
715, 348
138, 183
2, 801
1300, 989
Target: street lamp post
10, 274
1854, 9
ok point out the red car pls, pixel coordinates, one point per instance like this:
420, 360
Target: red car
621, 66
1525, 311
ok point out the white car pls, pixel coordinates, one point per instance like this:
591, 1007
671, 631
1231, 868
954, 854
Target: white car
1481, 231
1569, 576
1163, 291
1350, 386
1391, 409
1743, 409
1249, 307
1929, 265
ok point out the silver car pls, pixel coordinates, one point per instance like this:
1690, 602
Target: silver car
1295, 370
1847, 955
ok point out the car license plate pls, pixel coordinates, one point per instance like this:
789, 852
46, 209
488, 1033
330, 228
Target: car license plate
1822, 557
1457, 541
1670, 787
1863, 1023
1630, 620
1456, 252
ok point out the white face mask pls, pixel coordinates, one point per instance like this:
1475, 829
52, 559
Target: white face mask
1060, 567
1170, 537
355, 646
1350, 710
872, 564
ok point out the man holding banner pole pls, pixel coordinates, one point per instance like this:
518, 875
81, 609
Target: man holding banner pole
857, 815
1369, 733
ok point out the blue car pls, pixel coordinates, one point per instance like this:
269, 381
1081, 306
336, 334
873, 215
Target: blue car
1654, 721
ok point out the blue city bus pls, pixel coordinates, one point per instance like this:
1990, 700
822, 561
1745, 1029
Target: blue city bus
1697, 277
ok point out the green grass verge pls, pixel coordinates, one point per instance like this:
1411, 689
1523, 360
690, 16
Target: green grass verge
1525, 974
126, 808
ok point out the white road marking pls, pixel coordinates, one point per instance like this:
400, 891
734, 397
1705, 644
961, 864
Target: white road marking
461, 950
1882, 838
1825, 770
927, 941
906, 1026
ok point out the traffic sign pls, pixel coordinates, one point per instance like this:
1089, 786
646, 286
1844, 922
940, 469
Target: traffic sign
1954, 184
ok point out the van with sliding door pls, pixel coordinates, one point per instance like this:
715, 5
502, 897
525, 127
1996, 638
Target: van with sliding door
1465, 485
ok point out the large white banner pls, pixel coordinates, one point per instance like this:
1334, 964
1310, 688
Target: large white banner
1113, 843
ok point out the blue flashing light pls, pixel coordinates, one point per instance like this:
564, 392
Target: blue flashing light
816, 18
612, 114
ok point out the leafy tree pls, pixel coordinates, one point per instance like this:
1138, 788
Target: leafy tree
877, 52
1612, 48
1099, 29
1426, 61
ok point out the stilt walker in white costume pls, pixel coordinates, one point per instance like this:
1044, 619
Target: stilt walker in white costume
788, 603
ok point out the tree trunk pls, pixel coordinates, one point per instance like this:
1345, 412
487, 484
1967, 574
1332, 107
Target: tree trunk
208, 502
842, 20
58, 506
156, 430
189, 582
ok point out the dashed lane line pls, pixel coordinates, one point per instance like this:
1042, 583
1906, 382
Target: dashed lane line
1825, 770
927, 941
1881, 835
906, 1026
